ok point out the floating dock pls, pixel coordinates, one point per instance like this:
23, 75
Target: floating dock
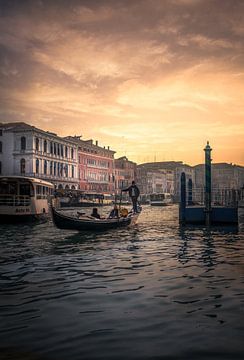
192, 213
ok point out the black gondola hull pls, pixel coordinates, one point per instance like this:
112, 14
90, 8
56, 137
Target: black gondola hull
71, 223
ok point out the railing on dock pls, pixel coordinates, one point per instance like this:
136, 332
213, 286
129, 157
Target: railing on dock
220, 197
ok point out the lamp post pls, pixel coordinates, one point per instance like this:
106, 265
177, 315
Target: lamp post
208, 160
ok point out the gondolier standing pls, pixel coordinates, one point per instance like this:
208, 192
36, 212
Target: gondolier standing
134, 193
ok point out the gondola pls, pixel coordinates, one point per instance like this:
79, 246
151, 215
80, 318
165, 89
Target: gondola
87, 223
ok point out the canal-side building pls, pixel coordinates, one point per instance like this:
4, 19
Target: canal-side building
190, 175
95, 166
224, 176
125, 173
157, 177
227, 181
28, 151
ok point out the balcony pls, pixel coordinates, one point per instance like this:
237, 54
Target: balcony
49, 177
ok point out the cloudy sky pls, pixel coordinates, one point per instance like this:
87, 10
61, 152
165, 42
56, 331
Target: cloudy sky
154, 79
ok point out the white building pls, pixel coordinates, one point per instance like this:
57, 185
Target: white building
26, 150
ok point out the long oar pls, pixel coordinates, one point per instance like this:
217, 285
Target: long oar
120, 199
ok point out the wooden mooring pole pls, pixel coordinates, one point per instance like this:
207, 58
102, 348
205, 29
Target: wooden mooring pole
182, 199
208, 208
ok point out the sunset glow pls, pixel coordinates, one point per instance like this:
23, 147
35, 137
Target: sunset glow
152, 79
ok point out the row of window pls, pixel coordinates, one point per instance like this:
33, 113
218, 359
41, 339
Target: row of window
94, 162
96, 187
102, 153
50, 168
100, 163
93, 176
54, 148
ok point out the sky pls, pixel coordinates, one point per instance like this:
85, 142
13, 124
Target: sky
153, 79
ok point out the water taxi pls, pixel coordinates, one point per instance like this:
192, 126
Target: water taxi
24, 198
161, 199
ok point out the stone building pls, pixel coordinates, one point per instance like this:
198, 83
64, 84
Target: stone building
28, 151
95, 166
157, 177
224, 176
125, 173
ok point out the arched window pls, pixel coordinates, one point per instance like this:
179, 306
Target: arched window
73, 187
45, 145
72, 153
23, 143
51, 167
66, 151
54, 148
37, 166
62, 150
22, 166
51, 147
1, 146
66, 187
37, 144
54, 168
45, 167
73, 171
58, 149
60, 186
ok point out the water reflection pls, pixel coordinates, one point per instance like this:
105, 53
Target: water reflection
82, 295
206, 247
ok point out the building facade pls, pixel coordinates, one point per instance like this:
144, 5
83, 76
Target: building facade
190, 175
95, 166
157, 177
28, 151
125, 173
224, 176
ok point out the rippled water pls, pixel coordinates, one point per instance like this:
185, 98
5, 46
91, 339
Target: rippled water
150, 292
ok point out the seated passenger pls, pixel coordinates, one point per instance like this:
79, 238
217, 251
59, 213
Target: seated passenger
124, 212
114, 212
95, 214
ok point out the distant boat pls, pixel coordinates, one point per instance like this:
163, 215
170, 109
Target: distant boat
76, 199
23, 198
161, 199
88, 223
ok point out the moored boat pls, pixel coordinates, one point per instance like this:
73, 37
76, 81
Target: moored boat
63, 221
160, 199
23, 198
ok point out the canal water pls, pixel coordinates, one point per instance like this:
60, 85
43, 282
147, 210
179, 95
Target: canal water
154, 291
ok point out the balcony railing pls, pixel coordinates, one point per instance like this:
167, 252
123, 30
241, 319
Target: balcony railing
51, 177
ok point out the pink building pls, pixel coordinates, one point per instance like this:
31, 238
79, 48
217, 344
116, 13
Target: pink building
95, 167
125, 173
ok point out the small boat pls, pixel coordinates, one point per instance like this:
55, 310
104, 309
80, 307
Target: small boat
89, 223
160, 199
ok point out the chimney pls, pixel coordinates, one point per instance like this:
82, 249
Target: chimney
96, 143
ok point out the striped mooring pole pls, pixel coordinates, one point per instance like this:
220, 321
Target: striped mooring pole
208, 160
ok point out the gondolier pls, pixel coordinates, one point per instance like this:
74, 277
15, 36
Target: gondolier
134, 193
